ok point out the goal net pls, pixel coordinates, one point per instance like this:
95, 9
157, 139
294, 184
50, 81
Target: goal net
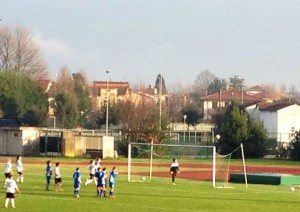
224, 166
149, 161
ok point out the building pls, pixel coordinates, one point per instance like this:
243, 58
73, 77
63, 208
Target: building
115, 91
280, 119
18, 140
212, 102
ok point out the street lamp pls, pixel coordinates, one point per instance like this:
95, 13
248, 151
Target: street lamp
107, 102
184, 118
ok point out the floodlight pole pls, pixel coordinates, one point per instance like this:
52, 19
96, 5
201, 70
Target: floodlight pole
184, 118
107, 102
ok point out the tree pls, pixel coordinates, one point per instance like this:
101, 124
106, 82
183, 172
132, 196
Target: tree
236, 83
255, 145
233, 129
21, 98
217, 85
201, 85
66, 109
295, 146
19, 52
81, 91
192, 113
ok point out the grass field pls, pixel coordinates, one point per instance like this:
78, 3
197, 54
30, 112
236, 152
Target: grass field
157, 195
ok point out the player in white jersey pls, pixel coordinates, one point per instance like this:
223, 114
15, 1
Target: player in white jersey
97, 164
11, 187
8, 168
20, 169
174, 170
91, 168
57, 179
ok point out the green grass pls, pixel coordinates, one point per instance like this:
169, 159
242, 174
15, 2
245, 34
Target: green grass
158, 195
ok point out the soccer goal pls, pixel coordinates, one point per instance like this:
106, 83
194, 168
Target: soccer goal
197, 162
148, 160
223, 166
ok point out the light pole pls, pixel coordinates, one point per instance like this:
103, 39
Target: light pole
107, 102
184, 118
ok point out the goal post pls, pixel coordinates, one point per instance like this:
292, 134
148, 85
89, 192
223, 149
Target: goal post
146, 160
152, 159
223, 168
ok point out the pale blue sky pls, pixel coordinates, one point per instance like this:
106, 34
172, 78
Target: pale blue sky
259, 40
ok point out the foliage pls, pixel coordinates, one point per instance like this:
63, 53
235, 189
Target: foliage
20, 53
256, 142
21, 98
201, 84
81, 90
192, 113
236, 83
233, 129
66, 109
73, 102
141, 122
295, 147
112, 115
216, 86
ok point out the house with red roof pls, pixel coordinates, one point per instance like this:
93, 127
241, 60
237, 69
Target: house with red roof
114, 91
211, 103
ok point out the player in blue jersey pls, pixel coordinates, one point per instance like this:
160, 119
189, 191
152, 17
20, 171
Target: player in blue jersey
48, 174
112, 181
104, 179
99, 176
77, 182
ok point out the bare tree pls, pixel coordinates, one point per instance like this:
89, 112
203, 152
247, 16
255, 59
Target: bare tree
19, 52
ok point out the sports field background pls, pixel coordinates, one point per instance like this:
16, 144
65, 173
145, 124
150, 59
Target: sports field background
157, 195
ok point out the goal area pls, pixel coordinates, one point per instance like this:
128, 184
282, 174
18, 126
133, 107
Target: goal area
151, 161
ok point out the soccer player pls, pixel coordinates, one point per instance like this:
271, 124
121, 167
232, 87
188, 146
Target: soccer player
11, 187
104, 179
48, 174
99, 176
58, 180
91, 178
112, 181
8, 168
77, 182
174, 170
20, 169
97, 164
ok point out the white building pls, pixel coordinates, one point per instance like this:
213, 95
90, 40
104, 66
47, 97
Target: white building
280, 119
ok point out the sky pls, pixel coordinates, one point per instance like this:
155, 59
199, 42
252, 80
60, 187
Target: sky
258, 40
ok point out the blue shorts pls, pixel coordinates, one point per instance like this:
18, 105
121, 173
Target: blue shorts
99, 184
48, 178
76, 185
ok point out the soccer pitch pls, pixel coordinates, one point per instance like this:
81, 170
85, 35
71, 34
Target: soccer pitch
157, 195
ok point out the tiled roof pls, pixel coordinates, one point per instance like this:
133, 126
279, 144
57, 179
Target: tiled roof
230, 95
273, 107
103, 84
